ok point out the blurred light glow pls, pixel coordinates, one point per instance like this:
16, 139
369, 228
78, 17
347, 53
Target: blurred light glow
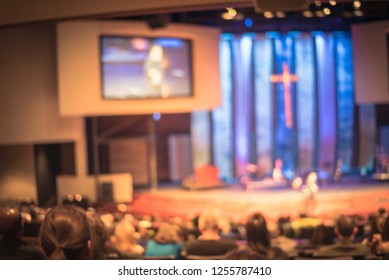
156, 116
308, 14
318, 3
332, 3
268, 14
327, 11
232, 12
248, 22
280, 14
357, 4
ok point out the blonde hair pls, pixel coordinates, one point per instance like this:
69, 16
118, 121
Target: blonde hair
124, 236
208, 221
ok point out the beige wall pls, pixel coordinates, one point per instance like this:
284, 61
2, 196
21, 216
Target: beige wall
79, 77
17, 174
28, 99
371, 62
86, 186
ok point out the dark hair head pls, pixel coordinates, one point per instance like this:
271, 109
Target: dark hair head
346, 226
256, 230
244, 254
10, 221
65, 233
382, 211
321, 236
167, 233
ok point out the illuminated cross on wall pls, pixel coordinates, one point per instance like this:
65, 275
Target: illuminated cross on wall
286, 79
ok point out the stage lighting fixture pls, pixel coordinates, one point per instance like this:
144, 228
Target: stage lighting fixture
279, 5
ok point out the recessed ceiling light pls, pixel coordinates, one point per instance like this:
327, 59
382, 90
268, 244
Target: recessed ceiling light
308, 14
320, 14
332, 3
357, 4
318, 3
280, 14
268, 14
232, 12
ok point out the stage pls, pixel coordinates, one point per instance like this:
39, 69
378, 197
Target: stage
236, 202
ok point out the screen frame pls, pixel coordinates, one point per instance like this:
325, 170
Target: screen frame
122, 36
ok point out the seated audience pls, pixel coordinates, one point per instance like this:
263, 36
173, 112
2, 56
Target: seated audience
258, 238
165, 243
345, 230
124, 239
209, 243
99, 236
381, 241
12, 247
304, 223
65, 234
243, 254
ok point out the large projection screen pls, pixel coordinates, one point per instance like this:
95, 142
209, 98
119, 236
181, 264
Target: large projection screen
79, 73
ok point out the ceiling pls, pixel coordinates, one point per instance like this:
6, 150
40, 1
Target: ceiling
340, 17
203, 12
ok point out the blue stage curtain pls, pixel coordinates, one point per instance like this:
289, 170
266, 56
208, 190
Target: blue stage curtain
319, 130
222, 117
306, 100
242, 90
345, 95
263, 66
326, 92
285, 140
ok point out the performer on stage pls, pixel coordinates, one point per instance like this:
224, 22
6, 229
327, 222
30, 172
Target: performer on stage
277, 175
309, 190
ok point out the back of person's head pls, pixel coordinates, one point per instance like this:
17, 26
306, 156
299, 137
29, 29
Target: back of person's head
124, 233
321, 236
167, 233
10, 222
346, 226
208, 221
65, 234
244, 254
256, 230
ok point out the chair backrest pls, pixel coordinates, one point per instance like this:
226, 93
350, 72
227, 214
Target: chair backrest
167, 257
324, 258
199, 257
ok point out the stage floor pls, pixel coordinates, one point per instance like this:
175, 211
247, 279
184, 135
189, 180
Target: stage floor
235, 201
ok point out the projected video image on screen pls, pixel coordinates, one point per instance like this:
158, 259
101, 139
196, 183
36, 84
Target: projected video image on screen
140, 67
